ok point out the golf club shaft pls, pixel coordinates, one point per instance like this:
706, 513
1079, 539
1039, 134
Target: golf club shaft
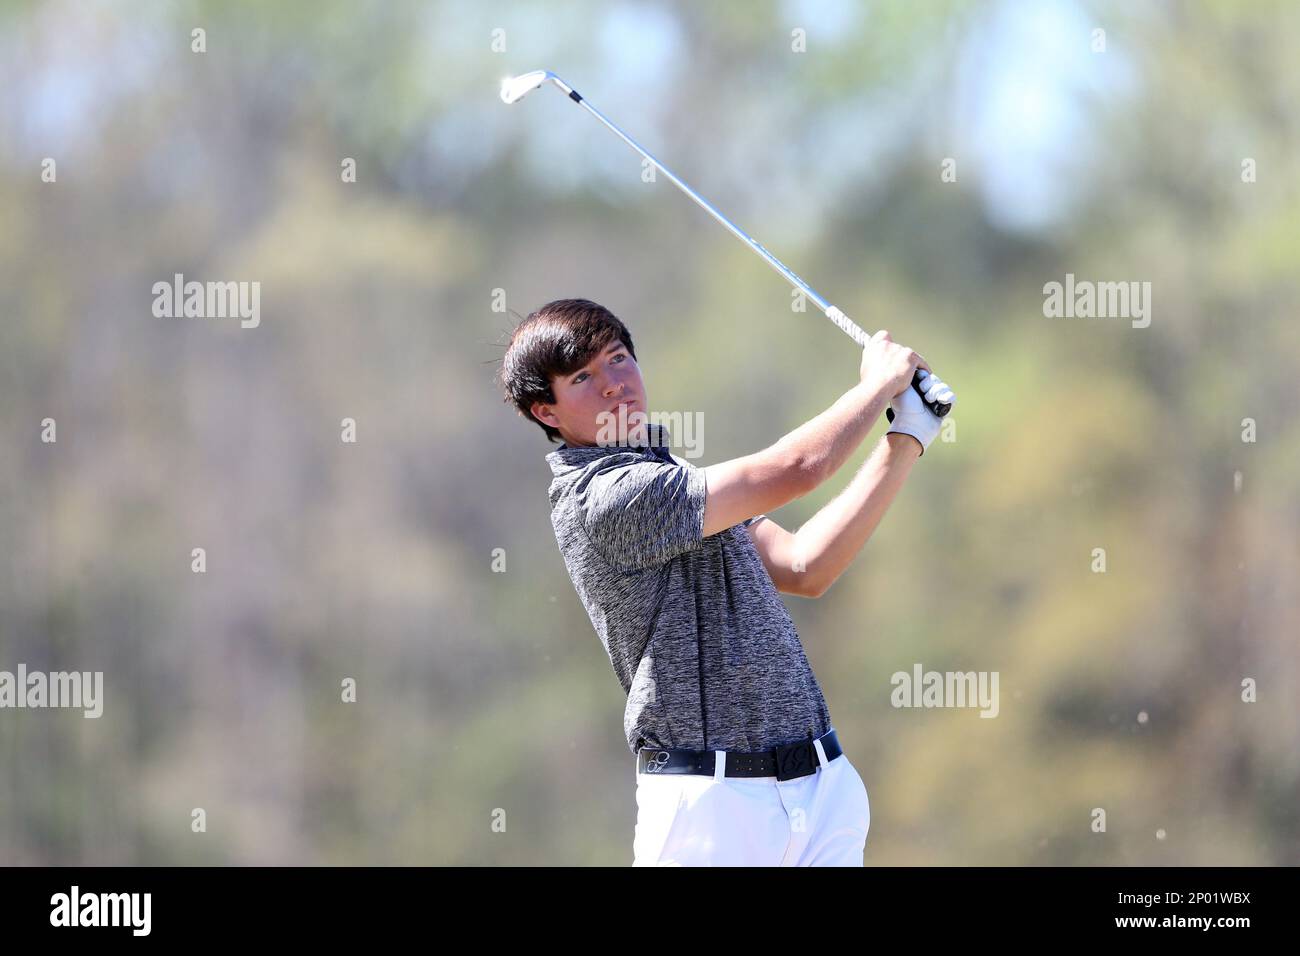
849, 327
835, 315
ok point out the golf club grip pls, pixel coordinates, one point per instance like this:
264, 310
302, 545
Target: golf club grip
855, 332
940, 409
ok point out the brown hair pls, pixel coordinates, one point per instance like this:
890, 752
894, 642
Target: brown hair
554, 341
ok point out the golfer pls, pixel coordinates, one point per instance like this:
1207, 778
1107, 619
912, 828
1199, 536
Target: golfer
679, 569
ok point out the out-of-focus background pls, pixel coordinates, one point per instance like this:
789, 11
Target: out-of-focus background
1164, 149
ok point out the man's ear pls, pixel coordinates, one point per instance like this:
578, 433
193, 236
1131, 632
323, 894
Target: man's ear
542, 412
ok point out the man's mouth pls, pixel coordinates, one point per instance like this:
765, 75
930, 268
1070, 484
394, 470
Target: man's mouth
628, 403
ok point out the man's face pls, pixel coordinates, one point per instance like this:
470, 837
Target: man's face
586, 408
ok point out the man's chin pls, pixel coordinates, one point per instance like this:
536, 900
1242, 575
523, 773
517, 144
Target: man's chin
631, 428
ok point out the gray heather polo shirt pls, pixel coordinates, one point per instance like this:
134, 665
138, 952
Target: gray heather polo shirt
697, 633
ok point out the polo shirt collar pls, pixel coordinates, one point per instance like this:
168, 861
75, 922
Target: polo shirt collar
566, 456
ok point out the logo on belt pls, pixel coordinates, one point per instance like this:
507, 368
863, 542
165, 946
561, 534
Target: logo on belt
657, 762
794, 760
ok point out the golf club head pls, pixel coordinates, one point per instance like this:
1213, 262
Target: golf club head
516, 88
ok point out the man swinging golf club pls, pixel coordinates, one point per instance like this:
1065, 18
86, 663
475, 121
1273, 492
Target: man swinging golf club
679, 569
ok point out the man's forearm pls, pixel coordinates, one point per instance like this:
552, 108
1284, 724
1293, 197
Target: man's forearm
822, 444
829, 541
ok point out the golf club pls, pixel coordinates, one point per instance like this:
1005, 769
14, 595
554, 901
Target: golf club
516, 88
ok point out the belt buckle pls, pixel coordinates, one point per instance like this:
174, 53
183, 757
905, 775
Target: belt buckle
795, 760
653, 761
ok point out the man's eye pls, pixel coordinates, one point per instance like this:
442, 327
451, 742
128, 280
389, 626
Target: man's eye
578, 379
620, 355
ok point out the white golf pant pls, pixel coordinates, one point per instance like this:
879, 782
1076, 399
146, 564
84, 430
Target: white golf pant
695, 820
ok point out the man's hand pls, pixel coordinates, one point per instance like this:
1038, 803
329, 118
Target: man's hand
888, 367
913, 417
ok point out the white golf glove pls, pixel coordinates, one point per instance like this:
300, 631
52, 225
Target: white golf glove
912, 417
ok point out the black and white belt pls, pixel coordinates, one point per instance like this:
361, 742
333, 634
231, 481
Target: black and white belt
786, 762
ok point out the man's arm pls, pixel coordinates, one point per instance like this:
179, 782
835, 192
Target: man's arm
802, 460
795, 465
809, 561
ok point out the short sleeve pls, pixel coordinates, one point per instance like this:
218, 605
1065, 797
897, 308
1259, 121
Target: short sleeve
643, 513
